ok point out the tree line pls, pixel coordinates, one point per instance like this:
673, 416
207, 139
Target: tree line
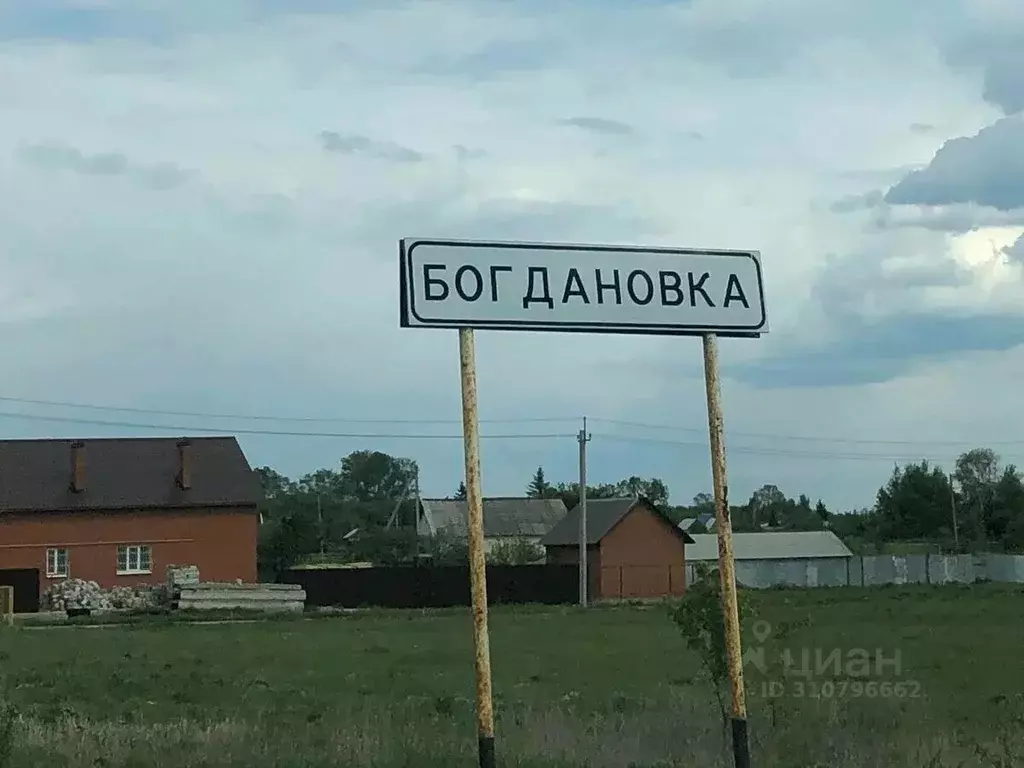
979, 505
365, 510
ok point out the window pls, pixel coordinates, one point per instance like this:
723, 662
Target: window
56, 563
133, 558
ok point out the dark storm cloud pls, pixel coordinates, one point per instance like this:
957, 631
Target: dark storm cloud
869, 352
987, 169
1001, 59
864, 349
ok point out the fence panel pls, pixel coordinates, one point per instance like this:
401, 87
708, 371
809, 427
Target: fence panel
434, 586
877, 570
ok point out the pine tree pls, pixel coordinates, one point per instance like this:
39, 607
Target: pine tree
539, 487
460, 494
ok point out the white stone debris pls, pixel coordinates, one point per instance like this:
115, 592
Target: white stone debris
78, 593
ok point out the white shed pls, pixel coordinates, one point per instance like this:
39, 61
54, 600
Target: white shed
795, 558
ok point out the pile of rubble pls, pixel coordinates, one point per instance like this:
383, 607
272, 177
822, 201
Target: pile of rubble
182, 575
77, 593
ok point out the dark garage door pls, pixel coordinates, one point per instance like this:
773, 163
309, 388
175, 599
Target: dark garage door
26, 587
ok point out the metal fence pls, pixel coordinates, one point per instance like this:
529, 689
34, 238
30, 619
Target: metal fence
434, 586
877, 570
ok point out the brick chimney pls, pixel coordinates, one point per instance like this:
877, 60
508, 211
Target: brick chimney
184, 477
77, 466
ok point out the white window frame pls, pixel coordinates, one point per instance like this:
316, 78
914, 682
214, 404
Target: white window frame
133, 565
52, 563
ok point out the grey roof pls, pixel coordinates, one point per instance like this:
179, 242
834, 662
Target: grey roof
778, 545
503, 516
124, 473
707, 520
602, 516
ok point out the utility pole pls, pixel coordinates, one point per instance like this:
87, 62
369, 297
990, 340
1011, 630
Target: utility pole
477, 561
583, 437
320, 521
726, 560
952, 507
416, 513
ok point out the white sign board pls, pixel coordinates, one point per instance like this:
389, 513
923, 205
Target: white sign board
591, 288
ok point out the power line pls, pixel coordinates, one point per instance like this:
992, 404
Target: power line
518, 420
263, 417
178, 429
764, 451
808, 438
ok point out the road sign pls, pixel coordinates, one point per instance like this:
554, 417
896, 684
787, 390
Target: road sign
469, 284
589, 288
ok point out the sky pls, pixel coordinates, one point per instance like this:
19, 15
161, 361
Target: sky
201, 205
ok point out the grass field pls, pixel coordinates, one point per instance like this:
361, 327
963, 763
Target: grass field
606, 687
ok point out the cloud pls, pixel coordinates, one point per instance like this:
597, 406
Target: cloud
858, 202
360, 145
996, 47
62, 157
601, 125
214, 225
958, 218
986, 169
1016, 251
876, 351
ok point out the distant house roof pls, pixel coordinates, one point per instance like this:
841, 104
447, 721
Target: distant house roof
779, 545
124, 473
707, 519
503, 516
602, 516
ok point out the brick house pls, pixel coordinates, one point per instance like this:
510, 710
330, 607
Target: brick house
118, 511
634, 550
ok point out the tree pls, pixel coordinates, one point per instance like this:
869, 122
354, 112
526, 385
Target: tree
446, 549
284, 542
460, 492
539, 487
277, 492
652, 488
515, 552
977, 472
822, 511
1007, 515
767, 506
859, 529
376, 476
701, 621
371, 493
273, 483
703, 502
1014, 540
914, 503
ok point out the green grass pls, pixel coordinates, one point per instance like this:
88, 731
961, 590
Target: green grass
605, 687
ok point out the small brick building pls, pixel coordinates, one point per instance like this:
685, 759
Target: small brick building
634, 550
118, 511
